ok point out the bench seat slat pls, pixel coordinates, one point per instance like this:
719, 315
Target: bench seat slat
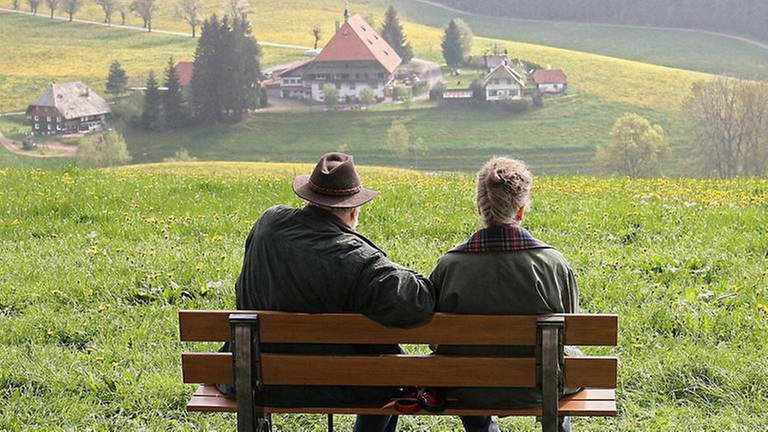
444, 371
588, 402
279, 327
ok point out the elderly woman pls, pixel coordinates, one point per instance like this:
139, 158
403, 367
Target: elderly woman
502, 269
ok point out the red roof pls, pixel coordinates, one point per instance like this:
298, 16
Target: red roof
293, 67
184, 72
549, 76
358, 41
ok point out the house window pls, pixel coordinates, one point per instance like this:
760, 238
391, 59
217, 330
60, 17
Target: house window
37, 118
58, 119
338, 86
37, 126
509, 81
496, 81
58, 127
48, 118
49, 127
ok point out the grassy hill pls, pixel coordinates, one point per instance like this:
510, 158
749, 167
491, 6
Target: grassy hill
97, 263
679, 49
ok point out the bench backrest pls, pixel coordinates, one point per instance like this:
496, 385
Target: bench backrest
398, 370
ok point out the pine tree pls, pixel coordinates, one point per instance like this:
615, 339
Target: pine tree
392, 32
174, 111
248, 54
151, 114
205, 101
457, 42
117, 80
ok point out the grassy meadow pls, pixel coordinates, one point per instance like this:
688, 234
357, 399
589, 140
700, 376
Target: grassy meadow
97, 263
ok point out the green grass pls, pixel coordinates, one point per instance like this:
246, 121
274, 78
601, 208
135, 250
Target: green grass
674, 48
84, 52
559, 138
97, 263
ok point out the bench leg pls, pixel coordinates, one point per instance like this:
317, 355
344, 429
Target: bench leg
550, 329
330, 422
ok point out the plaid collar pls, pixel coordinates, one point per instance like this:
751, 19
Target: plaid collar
500, 239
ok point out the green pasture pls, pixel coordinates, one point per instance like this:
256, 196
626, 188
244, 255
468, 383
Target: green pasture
679, 49
559, 138
83, 52
97, 263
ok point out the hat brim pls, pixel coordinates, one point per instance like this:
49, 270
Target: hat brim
302, 189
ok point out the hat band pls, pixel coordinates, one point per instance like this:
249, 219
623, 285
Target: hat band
335, 192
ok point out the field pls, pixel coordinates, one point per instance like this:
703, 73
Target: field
96, 264
84, 54
678, 49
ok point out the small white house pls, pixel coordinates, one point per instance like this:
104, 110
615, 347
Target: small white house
552, 81
503, 83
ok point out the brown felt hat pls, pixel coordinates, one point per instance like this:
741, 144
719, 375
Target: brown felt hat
333, 183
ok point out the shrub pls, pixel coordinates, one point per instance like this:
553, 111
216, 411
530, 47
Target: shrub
402, 94
436, 92
420, 88
103, 150
517, 105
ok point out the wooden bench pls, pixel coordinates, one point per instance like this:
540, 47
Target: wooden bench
248, 368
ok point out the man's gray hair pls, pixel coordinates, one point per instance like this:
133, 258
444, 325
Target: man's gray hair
503, 187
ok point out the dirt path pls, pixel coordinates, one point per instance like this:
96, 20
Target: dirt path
62, 150
137, 28
707, 32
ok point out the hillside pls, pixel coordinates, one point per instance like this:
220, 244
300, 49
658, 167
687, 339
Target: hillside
95, 269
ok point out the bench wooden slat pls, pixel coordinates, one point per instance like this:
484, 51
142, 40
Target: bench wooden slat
444, 371
588, 402
591, 372
213, 326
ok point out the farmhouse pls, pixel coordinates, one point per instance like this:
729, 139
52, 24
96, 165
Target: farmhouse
551, 81
68, 108
355, 58
503, 83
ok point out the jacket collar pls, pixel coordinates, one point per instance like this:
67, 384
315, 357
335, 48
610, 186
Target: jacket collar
328, 217
509, 238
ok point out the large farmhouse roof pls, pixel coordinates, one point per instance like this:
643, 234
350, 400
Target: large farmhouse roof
73, 100
358, 41
549, 76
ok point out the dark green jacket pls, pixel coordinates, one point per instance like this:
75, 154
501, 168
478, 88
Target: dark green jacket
533, 281
307, 260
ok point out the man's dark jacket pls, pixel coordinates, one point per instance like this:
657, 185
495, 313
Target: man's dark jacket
307, 260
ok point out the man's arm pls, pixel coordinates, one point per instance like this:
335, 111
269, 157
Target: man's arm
393, 295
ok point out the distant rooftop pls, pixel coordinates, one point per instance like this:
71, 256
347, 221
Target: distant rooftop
73, 100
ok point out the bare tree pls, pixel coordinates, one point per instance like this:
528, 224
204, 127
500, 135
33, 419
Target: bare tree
317, 32
191, 12
729, 123
109, 7
237, 8
145, 9
16, 4
33, 4
52, 5
71, 7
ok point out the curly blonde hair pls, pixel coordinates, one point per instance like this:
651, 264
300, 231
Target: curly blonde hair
503, 187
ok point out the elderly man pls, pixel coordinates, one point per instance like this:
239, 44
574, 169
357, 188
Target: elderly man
312, 260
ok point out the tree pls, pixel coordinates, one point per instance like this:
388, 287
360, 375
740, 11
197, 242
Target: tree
729, 123
367, 97
398, 138
392, 32
33, 4
152, 112
117, 80
16, 4
191, 12
71, 7
636, 150
52, 5
174, 111
109, 7
237, 8
225, 83
331, 95
457, 43
104, 150
317, 32
144, 9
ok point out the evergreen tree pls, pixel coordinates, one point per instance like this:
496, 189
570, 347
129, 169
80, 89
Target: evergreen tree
457, 42
117, 79
151, 114
392, 32
225, 83
174, 111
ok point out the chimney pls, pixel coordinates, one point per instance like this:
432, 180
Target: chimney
346, 11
